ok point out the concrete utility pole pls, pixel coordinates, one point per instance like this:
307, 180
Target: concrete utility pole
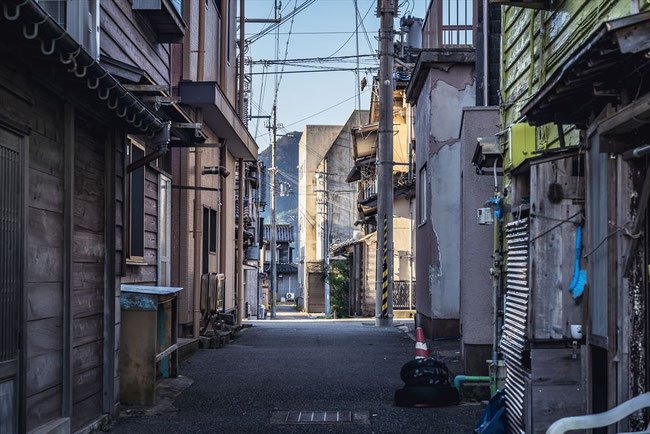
384, 309
274, 235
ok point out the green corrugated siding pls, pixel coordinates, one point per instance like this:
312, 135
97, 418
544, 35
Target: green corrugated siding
565, 28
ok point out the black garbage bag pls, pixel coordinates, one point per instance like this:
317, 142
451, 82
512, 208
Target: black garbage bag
493, 420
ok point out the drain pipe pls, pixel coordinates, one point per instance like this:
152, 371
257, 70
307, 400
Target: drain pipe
459, 380
239, 265
486, 10
198, 217
161, 139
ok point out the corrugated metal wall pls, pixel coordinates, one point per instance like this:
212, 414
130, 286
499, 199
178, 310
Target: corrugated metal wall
514, 329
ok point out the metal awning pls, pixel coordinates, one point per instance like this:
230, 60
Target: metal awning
364, 140
165, 19
220, 116
355, 172
594, 74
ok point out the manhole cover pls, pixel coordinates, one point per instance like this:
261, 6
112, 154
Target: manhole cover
319, 417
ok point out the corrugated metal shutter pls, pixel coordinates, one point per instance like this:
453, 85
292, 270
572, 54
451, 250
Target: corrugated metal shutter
516, 315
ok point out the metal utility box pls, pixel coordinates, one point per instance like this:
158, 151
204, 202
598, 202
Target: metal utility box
148, 341
522, 142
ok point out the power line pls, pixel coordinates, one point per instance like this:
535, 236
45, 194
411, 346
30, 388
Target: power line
323, 111
286, 18
314, 59
353, 33
369, 69
286, 53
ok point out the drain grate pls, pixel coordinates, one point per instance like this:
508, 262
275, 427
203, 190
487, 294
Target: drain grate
319, 417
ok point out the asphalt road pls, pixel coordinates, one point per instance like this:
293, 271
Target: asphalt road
301, 365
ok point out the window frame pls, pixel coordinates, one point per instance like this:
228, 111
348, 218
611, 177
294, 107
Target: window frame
129, 254
423, 191
164, 226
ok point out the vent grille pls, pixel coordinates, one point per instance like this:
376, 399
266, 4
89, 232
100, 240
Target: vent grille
10, 254
516, 316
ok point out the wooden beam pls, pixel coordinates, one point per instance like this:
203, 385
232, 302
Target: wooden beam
68, 232
167, 352
109, 272
146, 88
638, 223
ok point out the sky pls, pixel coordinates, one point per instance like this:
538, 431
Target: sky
321, 30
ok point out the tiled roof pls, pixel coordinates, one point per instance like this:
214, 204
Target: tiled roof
281, 268
284, 232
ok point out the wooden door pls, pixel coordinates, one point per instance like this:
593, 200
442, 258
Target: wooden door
88, 276
11, 218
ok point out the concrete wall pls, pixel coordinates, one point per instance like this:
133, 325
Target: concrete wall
340, 196
316, 140
437, 130
476, 244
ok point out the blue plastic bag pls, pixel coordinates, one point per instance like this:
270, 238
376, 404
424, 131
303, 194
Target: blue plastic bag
493, 420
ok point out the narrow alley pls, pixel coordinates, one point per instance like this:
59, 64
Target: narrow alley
307, 365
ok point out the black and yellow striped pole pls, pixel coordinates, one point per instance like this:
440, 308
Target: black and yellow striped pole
385, 181
384, 273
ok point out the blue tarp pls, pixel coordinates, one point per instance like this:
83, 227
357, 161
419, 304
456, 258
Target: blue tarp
493, 420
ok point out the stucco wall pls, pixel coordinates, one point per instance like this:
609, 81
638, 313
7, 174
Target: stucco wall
437, 129
476, 240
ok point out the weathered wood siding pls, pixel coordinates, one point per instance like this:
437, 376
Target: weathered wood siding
563, 30
88, 274
128, 37
44, 274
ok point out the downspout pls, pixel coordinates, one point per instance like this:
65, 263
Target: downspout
223, 45
239, 265
242, 47
486, 11
222, 227
198, 163
161, 139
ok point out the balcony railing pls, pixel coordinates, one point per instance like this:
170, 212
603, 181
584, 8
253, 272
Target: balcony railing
450, 23
403, 295
367, 188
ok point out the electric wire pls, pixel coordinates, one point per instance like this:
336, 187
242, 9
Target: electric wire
324, 110
353, 33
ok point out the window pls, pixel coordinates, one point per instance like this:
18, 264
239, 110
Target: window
422, 193
164, 230
457, 22
206, 240
79, 18
213, 231
135, 152
209, 236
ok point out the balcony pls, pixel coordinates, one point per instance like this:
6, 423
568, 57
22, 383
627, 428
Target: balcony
165, 16
449, 24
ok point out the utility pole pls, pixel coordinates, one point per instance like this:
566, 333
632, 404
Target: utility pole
384, 305
356, 73
274, 234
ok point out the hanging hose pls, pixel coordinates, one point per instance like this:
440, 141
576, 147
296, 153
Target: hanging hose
579, 279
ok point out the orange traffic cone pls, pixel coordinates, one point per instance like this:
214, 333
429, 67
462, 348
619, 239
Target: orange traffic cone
421, 350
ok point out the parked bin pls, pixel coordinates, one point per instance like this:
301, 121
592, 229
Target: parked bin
148, 341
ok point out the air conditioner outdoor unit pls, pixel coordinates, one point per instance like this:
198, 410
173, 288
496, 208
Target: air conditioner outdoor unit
290, 296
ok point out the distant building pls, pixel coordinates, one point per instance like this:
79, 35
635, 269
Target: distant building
286, 269
362, 179
328, 209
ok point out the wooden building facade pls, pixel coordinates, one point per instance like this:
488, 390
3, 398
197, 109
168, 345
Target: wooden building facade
574, 333
89, 113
